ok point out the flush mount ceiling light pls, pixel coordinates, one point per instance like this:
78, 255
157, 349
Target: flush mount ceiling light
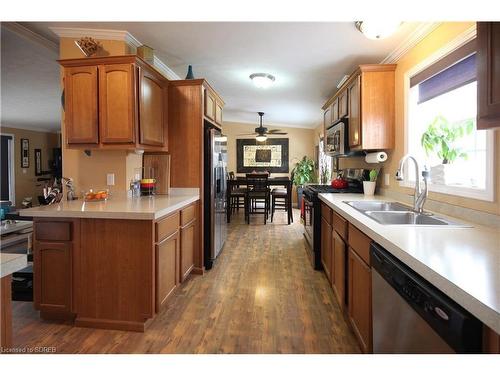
262, 80
377, 29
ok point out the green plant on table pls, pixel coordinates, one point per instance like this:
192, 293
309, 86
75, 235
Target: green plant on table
303, 172
440, 138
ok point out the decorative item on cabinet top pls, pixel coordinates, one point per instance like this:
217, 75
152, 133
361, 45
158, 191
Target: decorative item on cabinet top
115, 102
190, 74
88, 45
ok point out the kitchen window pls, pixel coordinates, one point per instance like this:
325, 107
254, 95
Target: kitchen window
441, 128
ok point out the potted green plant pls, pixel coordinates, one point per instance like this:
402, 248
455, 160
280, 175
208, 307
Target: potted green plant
302, 173
440, 139
369, 185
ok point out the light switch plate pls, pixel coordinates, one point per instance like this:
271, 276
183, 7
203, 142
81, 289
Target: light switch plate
110, 179
387, 179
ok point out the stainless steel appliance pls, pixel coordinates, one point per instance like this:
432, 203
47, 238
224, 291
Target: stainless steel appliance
311, 214
337, 138
412, 316
215, 167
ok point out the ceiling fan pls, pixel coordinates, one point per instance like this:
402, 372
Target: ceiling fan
261, 132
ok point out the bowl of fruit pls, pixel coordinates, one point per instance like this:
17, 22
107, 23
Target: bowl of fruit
99, 196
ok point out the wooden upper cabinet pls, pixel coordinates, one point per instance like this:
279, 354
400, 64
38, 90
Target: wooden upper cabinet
209, 105
342, 104
80, 107
117, 103
218, 112
335, 110
152, 109
488, 75
353, 94
367, 99
327, 117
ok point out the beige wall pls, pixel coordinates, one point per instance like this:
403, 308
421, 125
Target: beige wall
301, 142
90, 171
25, 180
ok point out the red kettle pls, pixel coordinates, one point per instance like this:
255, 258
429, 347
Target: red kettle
340, 183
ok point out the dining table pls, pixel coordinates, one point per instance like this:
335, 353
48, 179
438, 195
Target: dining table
239, 181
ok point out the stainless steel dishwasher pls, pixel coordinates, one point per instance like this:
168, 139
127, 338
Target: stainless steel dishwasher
412, 316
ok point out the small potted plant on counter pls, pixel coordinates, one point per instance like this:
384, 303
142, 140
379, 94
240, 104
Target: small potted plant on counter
369, 185
302, 173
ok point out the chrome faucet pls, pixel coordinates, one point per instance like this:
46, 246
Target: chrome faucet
420, 195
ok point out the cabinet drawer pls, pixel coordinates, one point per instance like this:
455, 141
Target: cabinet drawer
360, 243
188, 214
53, 231
326, 213
340, 225
166, 226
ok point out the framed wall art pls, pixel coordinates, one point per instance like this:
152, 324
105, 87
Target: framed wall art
25, 153
38, 162
270, 155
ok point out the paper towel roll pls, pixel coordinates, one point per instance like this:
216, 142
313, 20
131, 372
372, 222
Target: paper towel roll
376, 157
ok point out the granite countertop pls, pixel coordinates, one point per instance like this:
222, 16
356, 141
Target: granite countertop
462, 262
116, 207
10, 263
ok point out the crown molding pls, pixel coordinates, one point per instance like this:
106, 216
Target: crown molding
31, 36
411, 41
163, 68
105, 34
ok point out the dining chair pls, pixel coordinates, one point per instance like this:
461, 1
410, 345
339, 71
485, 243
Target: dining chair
257, 191
236, 195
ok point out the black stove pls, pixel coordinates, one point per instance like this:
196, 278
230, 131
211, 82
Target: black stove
311, 212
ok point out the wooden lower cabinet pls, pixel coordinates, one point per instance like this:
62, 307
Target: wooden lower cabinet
167, 260
188, 240
326, 248
52, 277
339, 268
360, 299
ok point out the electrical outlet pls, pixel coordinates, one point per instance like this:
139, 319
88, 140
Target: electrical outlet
387, 179
110, 179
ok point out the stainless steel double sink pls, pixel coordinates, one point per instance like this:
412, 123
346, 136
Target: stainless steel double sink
394, 213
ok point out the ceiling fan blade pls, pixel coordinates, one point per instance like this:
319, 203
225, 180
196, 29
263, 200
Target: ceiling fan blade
248, 134
275, 131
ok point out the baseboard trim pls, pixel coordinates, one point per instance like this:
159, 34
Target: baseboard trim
121, 325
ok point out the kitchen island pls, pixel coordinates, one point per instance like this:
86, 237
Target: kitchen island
460, 261
113, 264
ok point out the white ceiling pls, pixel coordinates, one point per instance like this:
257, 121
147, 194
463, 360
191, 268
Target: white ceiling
307, 59
29, 84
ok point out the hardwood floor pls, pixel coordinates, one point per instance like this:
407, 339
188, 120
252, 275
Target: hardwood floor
262, 296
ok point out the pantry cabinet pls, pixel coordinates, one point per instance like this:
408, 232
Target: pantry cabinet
488, 75
117, 102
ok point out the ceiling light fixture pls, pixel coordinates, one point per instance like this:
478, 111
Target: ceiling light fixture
262, 80
261, 138
377, 29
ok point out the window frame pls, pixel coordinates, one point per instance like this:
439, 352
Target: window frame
488, 193
12, 167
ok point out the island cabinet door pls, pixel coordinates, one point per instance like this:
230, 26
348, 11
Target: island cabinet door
152, 109
80, 105
359, 289
53, 276
167, 253
117, 103
188, 238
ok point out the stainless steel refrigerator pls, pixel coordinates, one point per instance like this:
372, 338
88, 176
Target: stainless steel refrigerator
215, 168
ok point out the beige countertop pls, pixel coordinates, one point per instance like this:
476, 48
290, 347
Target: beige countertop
10, 263
462, 262
116, 207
